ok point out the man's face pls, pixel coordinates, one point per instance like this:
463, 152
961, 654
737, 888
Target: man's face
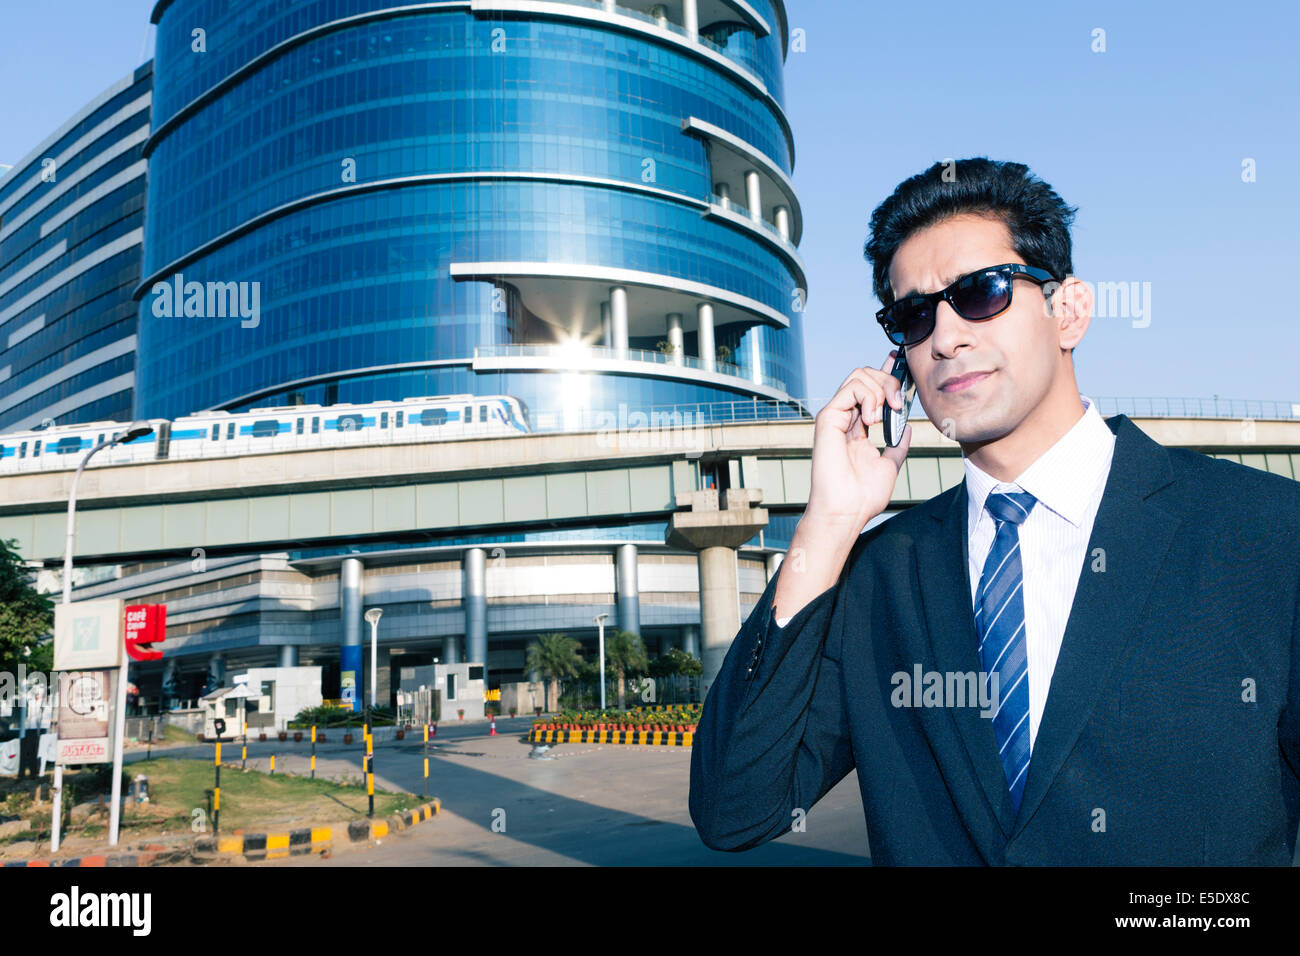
1020, 349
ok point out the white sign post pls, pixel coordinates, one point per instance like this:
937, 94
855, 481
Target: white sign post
89, 636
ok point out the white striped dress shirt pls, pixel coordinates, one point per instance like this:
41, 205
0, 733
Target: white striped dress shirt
1067, 480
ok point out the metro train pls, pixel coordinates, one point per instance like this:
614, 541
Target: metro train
216, 434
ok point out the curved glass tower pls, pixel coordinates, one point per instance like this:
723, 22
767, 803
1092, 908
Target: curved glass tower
582, 204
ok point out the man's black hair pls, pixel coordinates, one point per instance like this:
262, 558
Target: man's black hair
1039, 220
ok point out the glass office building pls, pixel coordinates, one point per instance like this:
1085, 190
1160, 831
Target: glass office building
586, 205
71, 234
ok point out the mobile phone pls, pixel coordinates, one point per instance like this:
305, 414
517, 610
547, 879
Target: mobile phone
894, 421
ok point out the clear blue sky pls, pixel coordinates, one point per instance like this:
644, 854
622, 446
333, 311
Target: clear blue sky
1147, 139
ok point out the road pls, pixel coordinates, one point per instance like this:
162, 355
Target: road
596, 805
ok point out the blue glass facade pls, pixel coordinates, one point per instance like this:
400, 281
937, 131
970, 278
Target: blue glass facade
71, 234
346, 169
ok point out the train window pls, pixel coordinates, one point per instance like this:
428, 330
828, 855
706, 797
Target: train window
230, 431
468, 417
399, 419
216, 432
266, 428
67, 446
101, 439
22, 450
300, 426
433, 416
36, 449
315, 426
482, 413
383, 420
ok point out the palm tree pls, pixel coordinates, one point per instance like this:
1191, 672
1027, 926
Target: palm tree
624, 654
554, 656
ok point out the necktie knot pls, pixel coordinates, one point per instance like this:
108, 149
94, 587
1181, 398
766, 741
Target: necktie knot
1013, 506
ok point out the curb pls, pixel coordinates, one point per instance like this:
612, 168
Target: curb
150, 856
305, 840
661, 738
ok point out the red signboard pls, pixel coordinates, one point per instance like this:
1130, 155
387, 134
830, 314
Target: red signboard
146, 624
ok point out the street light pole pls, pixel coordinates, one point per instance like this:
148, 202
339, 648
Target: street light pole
600, 622
372, 616
137, 430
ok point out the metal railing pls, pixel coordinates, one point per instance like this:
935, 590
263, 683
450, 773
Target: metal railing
579, 354
1163, 407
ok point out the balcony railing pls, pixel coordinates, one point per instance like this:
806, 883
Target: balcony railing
586, 352
666, 24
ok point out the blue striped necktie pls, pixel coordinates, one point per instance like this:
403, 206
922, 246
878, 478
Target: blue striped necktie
1000, 621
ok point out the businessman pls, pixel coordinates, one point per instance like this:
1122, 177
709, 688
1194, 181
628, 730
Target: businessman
1134, 609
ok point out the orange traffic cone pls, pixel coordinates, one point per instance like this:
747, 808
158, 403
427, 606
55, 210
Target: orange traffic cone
493, 731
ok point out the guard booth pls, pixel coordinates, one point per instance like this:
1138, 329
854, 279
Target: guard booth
221, 704
459, 686
418, 707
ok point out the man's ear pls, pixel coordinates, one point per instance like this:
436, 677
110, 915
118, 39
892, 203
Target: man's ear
1070, 306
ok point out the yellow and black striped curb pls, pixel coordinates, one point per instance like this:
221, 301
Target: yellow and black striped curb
305, 840
662, 738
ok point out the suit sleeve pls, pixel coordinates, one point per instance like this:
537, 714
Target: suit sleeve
1289, 730
774, 734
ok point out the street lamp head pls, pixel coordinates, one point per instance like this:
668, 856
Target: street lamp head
137, 430
601, 618
373, 615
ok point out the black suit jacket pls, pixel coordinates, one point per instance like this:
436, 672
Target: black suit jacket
1171, 733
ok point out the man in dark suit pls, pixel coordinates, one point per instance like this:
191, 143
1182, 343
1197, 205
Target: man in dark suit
1087, 652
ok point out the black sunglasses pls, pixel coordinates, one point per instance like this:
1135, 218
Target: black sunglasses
976, 296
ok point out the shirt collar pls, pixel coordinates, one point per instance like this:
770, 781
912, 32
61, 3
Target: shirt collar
1063, 478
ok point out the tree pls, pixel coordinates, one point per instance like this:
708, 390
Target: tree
624, 655
554, 656
26, 617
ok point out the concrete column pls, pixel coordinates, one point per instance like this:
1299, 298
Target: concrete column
675, 336
475, 600
715, 533
719, 607
753, 198
723, 192
350, 617
773, 563
629, 602
755, 358
605, 337
451, 649
618, 319
783, 221
708, 352
609, 5
660, 14
383, 679
691, 639
216, 672
170, 679
691, 18
288, 655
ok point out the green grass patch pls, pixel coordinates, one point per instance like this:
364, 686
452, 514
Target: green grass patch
255, 799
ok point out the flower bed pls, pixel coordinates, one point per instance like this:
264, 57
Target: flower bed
677, 719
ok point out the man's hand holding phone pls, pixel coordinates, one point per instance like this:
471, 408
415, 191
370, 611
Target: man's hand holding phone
852, 482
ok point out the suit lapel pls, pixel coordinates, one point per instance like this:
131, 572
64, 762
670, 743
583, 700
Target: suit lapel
944, 575
1135, 535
